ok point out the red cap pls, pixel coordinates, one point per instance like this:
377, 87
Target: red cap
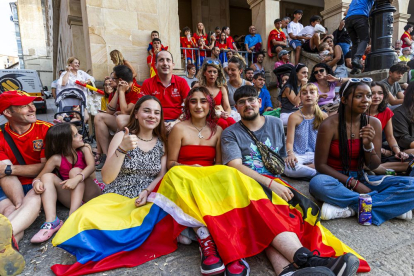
15, 97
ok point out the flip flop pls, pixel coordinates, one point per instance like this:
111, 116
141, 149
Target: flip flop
11, 261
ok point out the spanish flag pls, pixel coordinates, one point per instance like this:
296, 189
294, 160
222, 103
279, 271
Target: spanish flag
242, 216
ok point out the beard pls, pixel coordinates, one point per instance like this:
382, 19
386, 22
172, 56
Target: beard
250, 117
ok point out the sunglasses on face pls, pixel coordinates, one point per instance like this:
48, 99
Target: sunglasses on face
318, 71
355, 80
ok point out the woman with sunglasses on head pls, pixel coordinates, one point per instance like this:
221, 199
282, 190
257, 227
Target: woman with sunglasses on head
301, 134
212, 77
395, 158
355, 142
323, 77
289, 96
235, 69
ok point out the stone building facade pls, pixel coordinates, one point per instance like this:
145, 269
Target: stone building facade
91, 29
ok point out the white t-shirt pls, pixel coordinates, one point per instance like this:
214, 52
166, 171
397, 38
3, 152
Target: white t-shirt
294, 28
307, 31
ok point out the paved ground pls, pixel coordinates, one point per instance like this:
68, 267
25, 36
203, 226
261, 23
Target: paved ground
389, 249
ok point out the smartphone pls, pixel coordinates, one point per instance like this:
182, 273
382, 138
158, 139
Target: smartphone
102, 111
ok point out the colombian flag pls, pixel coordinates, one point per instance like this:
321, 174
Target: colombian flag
242, 216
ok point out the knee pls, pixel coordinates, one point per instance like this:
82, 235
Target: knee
98, 118
47, 177
33, 200
74, 172
8, 210
122, 121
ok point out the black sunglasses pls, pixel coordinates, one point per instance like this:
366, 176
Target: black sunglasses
318, 71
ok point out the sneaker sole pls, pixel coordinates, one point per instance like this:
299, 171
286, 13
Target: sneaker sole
11, 261
351, 265
215, 271
314, 271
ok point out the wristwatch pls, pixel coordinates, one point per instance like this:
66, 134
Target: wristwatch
8, 170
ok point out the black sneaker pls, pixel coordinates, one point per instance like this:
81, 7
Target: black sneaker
290, 270
211, 263
101, 162
237, 268
345, 265
356, 63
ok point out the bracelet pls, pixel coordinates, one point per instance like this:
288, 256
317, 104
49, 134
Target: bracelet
347, 181
121, 150
148, 192
270, 183
110, 108
340, 80
356, 185
34, 180
370, 149
395, 146
288, 151
83, 176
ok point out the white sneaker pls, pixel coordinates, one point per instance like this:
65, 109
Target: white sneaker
406, 216
333, 212
183, 239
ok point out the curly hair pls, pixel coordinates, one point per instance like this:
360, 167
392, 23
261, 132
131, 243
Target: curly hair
211, 116
325, 66
221, 79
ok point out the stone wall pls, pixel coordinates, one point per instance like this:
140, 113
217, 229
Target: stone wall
126, 25
33, 38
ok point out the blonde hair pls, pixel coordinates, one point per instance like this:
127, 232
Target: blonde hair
203, 31
221, 79
318, 112
72, 59
119, 58
237, 55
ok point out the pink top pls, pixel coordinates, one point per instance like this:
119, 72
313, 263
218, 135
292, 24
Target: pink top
331, 94
66, 166
279, 63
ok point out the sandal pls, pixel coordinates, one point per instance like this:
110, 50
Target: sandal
11, 261
97, 158
101, 162
386, 153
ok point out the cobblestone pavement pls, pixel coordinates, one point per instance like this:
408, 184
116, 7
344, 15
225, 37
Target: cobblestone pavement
389, 249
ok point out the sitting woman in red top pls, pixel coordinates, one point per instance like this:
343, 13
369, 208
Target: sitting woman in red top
393, 158
355, 143
212, 77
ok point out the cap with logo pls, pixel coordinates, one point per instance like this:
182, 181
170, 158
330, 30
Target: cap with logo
15, 97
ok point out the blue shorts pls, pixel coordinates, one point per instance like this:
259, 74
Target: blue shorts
295, 43
26, 189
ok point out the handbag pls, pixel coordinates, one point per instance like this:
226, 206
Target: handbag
272, 161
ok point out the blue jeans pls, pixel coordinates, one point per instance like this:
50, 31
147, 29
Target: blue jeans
26, 189
393, 197
345, 47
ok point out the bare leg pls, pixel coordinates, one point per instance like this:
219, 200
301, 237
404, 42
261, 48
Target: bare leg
76, 194
103, 123
396, 166
13, 189
49, 196
276, 259
315, 41
297, 54
122, 121
91, 190
23, 217
409, 151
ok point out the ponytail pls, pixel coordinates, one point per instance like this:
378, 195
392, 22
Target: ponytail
318, 117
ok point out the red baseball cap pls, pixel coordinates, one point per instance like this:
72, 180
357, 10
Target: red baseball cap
15, 97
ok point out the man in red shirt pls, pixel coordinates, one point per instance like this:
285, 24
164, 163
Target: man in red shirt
18, 201
122, 101
277, 39
170, 89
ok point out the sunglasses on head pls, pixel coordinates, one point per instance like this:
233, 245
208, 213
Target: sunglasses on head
355, 80
319, 71
210, 61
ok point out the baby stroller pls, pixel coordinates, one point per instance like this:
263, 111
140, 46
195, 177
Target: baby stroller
65, 101
281, 71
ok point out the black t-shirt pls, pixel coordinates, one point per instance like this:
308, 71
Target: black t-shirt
348, 55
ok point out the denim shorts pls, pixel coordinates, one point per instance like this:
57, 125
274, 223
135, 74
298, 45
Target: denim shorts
26, 189
295, 43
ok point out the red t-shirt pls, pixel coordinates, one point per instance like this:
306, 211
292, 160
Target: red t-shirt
230, 42
223, 45
171, 97
132, 96
185, 43
405, 35
197, 37
30, 145
151, 59
384, 117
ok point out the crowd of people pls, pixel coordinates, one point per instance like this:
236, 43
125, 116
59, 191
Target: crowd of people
220, 113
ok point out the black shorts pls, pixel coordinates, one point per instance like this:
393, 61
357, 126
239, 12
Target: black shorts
307, 48
275, 47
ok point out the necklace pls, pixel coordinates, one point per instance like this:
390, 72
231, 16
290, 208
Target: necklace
149, 140
199, 130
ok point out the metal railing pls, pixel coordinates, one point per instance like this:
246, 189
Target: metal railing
195, 52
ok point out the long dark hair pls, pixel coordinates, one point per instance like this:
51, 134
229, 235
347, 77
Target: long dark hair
409, 101
293, 79
211, 117
58, 140
325, 66
133, 124
345, 147
383, 105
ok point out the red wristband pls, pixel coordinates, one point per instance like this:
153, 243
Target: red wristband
270, 183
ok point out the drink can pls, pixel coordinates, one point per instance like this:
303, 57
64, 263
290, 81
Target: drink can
389, 172
365, 209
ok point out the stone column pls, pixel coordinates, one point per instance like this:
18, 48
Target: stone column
333, 13
400, 20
